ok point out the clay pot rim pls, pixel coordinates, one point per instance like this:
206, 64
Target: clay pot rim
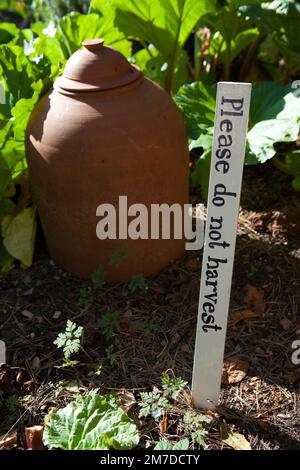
74, 86
86, 89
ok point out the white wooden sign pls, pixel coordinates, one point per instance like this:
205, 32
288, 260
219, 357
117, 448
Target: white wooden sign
231, 122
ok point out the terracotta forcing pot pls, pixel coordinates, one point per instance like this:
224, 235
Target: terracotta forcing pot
105, 131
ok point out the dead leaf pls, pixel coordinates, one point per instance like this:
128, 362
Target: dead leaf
285, 323
27, 314
234, 439
234, 370
34, 437
254, 299
127, 400
8, 441
27, 384
236, 316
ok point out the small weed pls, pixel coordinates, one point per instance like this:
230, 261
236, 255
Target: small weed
193, 427
10, 404
137, 283
85, 297
183, 444
69, 341
152, 326
172, 386
111, 355
118, 256
153, 403
98, 278
109, 323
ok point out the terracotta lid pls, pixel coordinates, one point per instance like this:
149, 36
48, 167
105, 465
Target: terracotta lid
96, 67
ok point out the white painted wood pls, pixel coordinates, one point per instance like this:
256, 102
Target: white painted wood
231, 122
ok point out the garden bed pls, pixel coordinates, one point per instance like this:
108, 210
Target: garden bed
154, 331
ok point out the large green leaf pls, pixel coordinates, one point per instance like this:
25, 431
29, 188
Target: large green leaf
274, 117
282, 19
296, 183
6, 206
231, 33
58, 42
292, 161
164, 23
17, 72
6, 260
5, 175
18, 229
24, 83
75, 28
22, 110
243, 40
153, 65
52, 48
8, 31
227, 23
290, 164
92, 422
12, 157
18, 232
197, 102
13, 154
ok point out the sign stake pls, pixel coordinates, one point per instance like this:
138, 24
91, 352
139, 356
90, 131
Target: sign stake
226, 169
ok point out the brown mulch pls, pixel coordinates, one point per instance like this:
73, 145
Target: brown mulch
157, 327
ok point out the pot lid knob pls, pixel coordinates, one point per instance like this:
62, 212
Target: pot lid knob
93, 44
96, 67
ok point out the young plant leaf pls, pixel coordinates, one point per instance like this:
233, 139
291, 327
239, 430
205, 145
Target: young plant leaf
92, 422
69, 340
172, 386
183, 444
